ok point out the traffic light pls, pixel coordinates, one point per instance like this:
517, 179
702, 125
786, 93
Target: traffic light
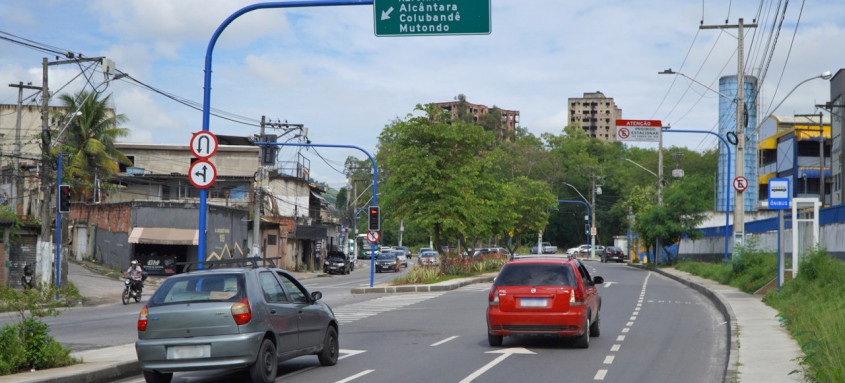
374, 218
586, 228
64, 198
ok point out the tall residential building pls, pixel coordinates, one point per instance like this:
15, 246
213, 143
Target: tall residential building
727, 124
596, 114
510, 118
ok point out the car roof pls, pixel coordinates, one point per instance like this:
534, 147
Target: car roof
540, 260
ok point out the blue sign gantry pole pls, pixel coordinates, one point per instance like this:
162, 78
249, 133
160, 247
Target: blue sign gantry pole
206, 97
727, 182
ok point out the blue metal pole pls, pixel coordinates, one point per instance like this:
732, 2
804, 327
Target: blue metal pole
588, 213
206, 97
727, 182
375, 187
58, 226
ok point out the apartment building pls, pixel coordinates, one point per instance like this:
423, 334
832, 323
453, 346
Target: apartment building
596, 114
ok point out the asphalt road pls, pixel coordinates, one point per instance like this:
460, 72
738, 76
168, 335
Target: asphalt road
652, 330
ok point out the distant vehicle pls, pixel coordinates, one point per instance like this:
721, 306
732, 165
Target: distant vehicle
399, 254
387, 261
613, 253
336, 263
404, 249
547, 249
424, 249
429, 258
544, 295
490, 250
233, 318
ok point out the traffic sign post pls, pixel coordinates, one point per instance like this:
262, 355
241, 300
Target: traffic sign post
444, 17
203, 144
202, 174
780, 198
372, 236
638, 130
740, 184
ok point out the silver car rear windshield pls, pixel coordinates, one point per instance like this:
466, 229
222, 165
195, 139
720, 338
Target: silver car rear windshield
535, 275
200, 288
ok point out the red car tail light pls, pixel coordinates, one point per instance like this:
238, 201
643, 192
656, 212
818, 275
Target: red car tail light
493, 299
142, 319
241, 312
576, 297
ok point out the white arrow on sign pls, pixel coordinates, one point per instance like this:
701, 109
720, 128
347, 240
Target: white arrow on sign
385, 15
505, 353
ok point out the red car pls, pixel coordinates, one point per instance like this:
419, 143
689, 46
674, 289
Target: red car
544, 296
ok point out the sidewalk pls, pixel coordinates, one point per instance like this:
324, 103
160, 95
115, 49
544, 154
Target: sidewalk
760, 349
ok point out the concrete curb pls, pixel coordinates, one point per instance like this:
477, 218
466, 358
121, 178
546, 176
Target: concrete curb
724, 307
442, 286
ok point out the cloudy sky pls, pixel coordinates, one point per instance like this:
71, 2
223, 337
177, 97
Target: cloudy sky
325, 68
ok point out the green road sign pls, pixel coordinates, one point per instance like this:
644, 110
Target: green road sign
431, 17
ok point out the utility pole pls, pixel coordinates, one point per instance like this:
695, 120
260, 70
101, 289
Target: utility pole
17, 182
44, 250
593, 213
739, 201
256, 214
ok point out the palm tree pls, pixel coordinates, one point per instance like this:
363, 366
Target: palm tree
89, 141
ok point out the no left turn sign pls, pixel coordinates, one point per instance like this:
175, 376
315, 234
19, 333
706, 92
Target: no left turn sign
740, 184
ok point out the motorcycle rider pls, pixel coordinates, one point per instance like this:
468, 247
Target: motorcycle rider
135, 276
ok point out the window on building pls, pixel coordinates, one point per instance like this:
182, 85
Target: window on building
122, 167
271, 240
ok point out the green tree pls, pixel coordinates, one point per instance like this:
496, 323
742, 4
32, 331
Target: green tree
680, 214
436, 172
89, 141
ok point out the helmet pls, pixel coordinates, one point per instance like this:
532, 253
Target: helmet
134, 262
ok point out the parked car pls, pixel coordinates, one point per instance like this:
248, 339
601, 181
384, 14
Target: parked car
547, 249
336, 263
613, 253
233, 318
429, 258
551, 296
386, 261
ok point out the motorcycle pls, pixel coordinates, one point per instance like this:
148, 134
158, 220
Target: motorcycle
27, 278
132, 290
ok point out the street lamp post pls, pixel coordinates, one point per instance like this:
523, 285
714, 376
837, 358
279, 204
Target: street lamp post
592, 214
659, 245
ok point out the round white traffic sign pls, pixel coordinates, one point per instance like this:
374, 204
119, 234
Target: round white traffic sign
202, 174
372, 236
740, 184
203, 144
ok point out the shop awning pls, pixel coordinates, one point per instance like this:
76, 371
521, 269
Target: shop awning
164, 236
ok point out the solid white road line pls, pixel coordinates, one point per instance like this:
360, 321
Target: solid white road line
443, 341
356, 376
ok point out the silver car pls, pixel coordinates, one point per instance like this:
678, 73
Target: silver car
233, 318
429, 258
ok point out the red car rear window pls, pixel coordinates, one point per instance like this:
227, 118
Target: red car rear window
536, 274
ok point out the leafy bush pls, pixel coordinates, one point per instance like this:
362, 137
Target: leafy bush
28, 345
812, 306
